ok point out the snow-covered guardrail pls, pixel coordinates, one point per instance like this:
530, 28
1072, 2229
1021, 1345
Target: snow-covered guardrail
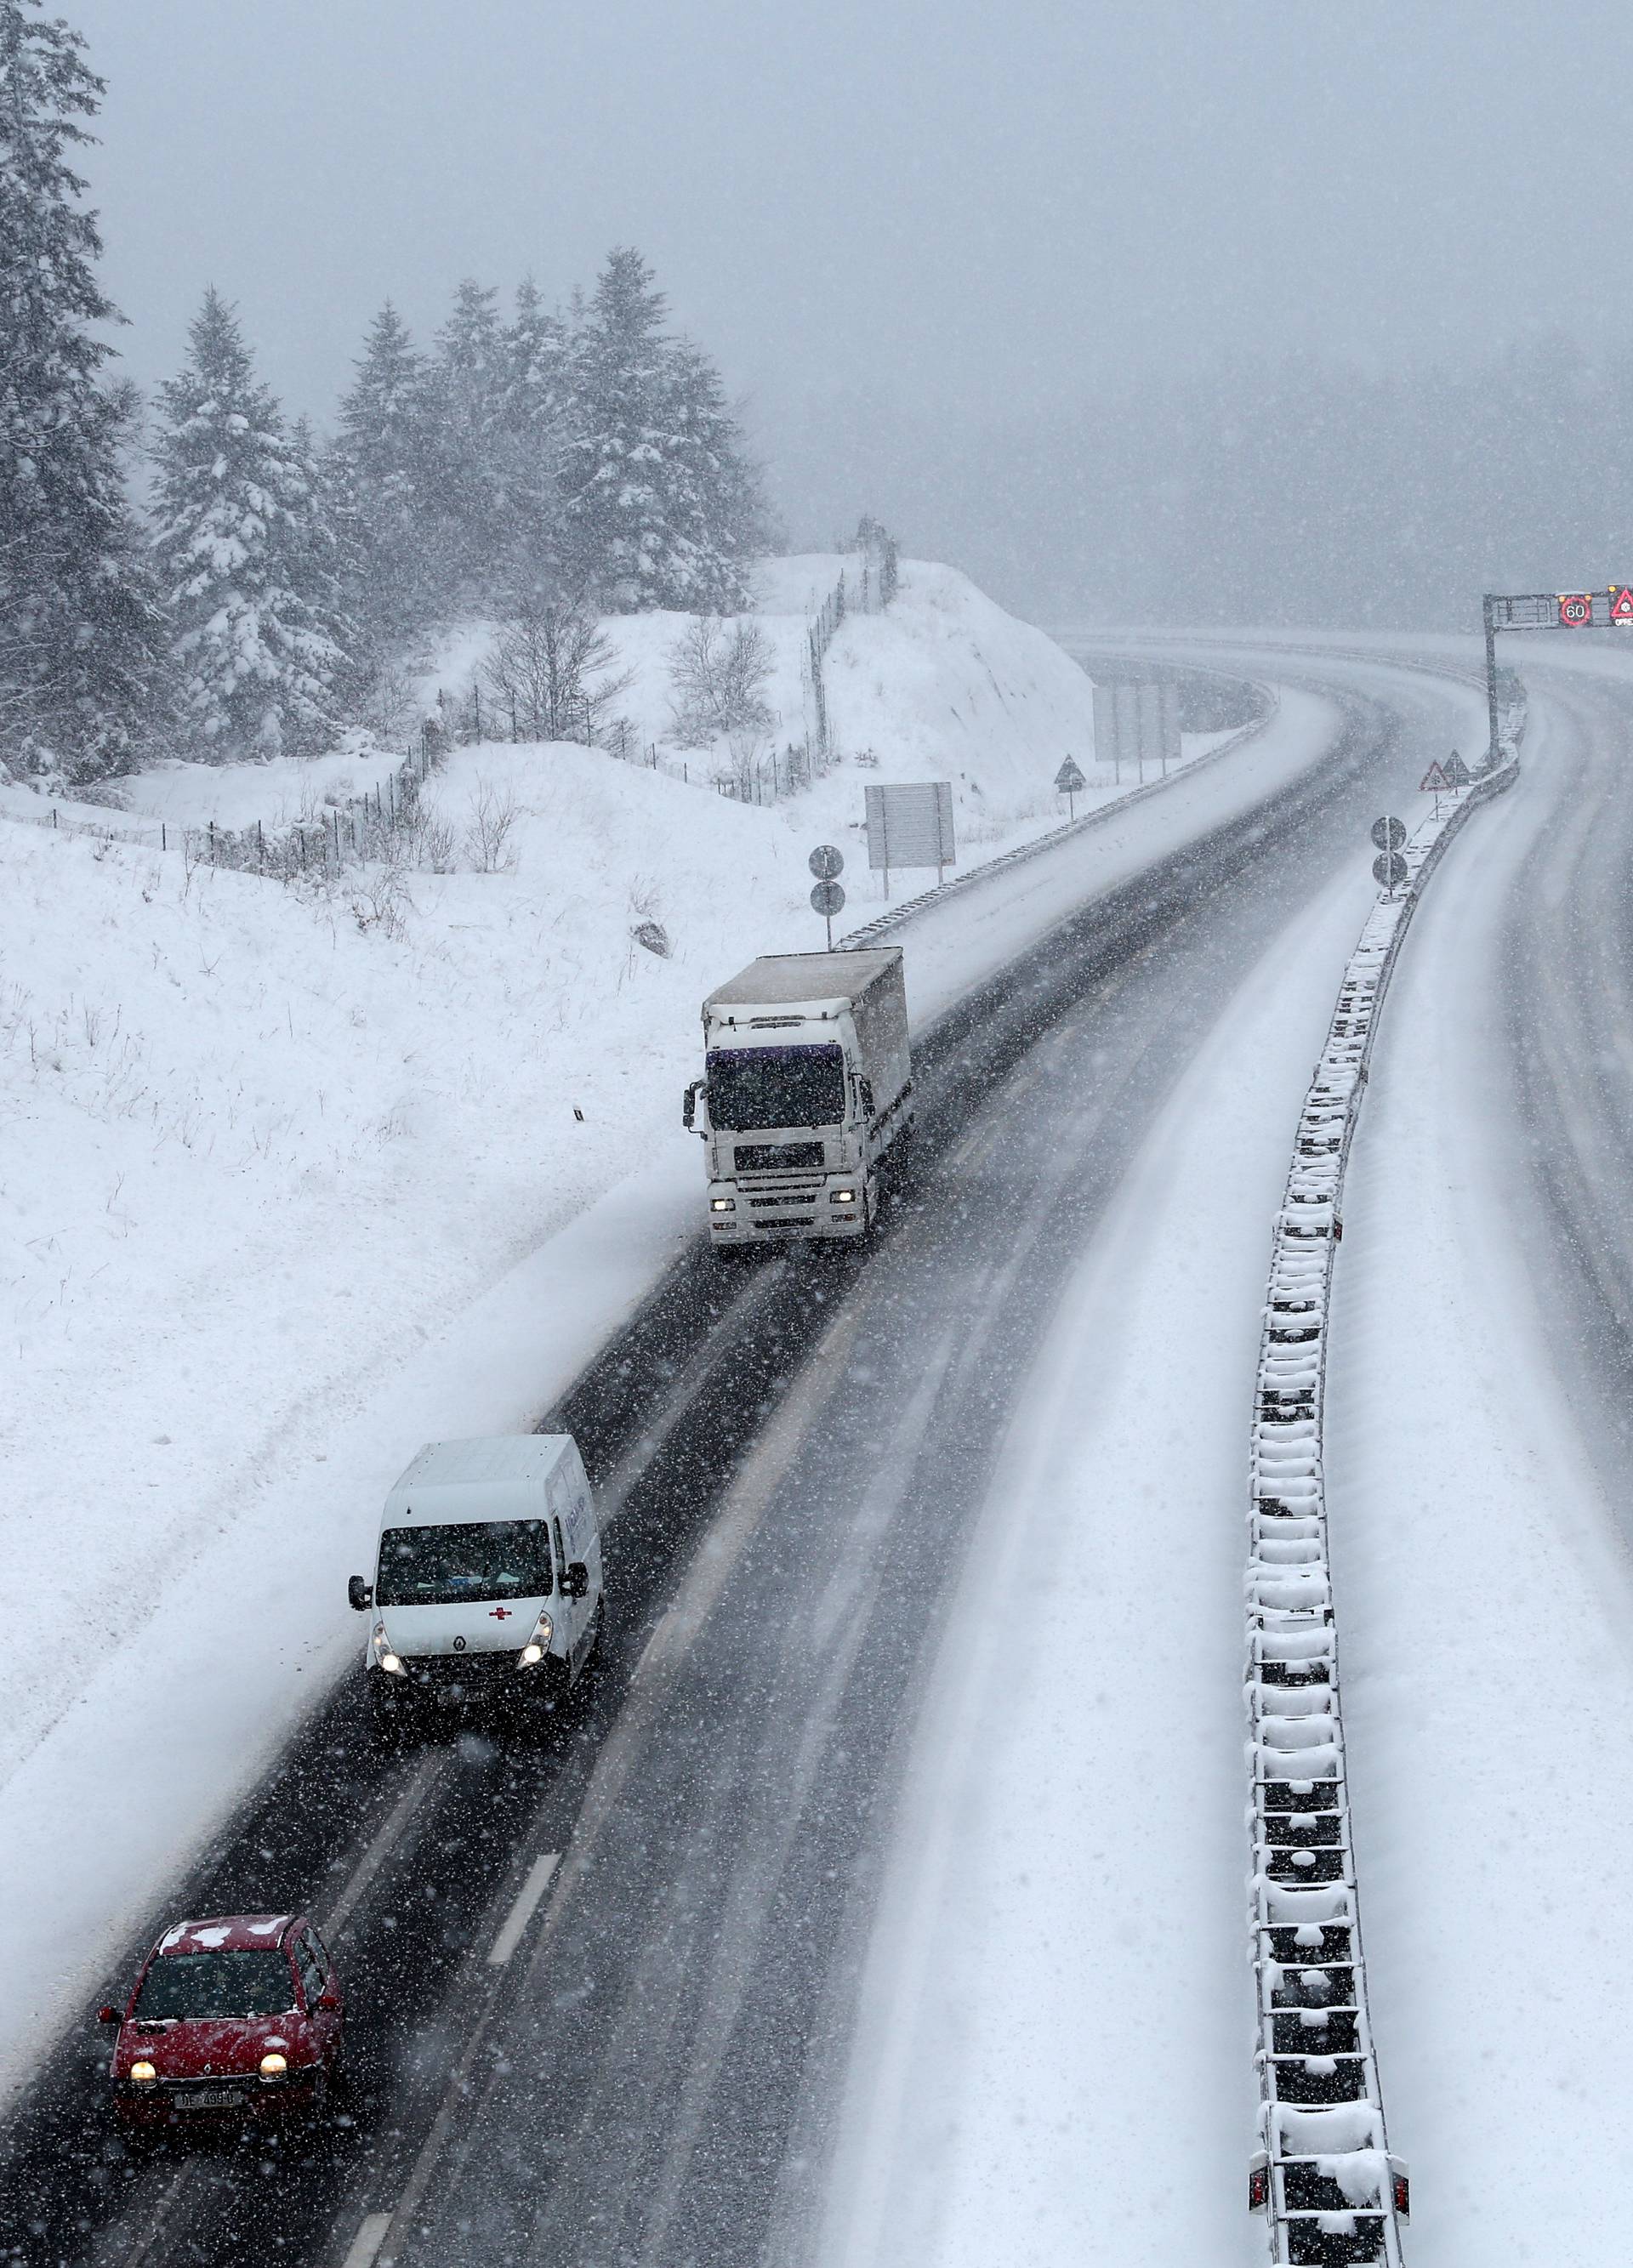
893, 916
1322, 2175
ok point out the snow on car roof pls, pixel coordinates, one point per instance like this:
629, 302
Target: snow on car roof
225, 1933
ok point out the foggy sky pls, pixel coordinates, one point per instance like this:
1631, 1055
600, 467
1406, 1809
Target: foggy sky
927, 212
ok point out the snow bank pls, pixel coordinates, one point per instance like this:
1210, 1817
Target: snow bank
941, 685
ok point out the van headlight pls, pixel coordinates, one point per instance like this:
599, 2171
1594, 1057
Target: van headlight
383, 1655
538, 1645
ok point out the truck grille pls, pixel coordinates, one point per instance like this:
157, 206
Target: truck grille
778, 1156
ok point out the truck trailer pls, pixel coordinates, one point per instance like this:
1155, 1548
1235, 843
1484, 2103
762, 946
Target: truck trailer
807, 1094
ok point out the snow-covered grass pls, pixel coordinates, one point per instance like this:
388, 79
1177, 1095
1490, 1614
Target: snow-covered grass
288, 1183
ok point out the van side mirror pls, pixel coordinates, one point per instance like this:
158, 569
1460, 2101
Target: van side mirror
360, 1594
575, 1580
864, 1092
106, 2014
328, 2002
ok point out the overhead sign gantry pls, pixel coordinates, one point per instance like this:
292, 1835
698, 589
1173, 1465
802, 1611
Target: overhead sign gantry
1611, 608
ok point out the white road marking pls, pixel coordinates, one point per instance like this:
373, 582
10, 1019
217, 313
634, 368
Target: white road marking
746, 1500
366, 2243
750, 1494
614, 1493
112, 2246
524, 1909
427, 1772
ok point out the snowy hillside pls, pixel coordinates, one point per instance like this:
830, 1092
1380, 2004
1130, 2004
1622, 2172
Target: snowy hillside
941, 685
254, 1143
259, 1144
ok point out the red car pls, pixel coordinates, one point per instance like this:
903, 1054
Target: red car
235, 2019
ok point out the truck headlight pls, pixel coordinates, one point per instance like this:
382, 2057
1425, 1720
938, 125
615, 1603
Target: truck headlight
842, 1197
538, 1645
384, 1654
142, 2072
722, 1204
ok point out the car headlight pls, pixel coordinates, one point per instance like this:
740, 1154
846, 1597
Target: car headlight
722, 1204
538, 1645
274, 2066
384, 1654
143, 2071
842, 1197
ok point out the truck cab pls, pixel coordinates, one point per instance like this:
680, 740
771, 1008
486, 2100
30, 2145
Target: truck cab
807, 1089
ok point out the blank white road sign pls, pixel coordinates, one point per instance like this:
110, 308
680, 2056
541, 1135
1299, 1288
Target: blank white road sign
1136, 723
911, 825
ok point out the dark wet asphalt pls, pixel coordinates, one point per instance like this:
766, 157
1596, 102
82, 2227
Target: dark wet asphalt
820, 1429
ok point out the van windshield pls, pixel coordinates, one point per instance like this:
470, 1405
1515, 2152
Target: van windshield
754, 1088
474, 1559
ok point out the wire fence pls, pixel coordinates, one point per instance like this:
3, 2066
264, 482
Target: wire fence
351, 831
357, 829
866, 589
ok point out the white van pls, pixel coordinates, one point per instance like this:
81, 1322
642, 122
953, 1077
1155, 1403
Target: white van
487, 1578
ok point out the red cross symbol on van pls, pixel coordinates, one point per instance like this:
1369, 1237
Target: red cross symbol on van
500, 1614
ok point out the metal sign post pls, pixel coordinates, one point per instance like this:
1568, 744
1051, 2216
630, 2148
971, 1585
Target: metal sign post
1611, 608
909, 824
1389, 867
827, 897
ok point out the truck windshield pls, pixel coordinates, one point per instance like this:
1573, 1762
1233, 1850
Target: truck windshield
475, 1559
759, 1087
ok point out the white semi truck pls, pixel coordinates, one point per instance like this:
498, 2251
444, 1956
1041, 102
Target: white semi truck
807, 1094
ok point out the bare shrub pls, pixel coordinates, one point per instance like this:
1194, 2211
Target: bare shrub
379, 898
718, 673
494, 812
551, 671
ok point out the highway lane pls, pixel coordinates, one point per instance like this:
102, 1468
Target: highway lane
1563, 989
626, 2081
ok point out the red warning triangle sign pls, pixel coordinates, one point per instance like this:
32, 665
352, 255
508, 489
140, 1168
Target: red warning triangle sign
1622, 604
1434, 782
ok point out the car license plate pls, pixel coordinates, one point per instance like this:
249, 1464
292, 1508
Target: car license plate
210, 2098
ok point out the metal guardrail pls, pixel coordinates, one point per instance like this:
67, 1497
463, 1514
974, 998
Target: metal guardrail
1322, 2176
893, 916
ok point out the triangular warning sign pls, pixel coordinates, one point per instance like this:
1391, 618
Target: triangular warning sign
1458, 771
1622, 604
1069, 779
1434, 782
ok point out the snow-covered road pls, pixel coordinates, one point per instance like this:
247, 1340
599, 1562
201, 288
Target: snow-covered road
908, 1897
1481, 1513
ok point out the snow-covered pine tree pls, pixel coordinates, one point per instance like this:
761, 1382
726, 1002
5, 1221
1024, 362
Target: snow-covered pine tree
81, 635
616, 506
247, 563
389, 452
322, 536
467, 391
534, 411
663, 506
715, 510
